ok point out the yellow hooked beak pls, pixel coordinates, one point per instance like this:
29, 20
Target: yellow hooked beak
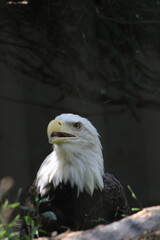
59, 132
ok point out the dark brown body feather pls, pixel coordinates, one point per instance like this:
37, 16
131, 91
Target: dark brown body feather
83, 211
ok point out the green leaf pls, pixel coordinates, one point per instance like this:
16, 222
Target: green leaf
28, 208
14, 205
13, 221
35, 231
135, 209
13, 236
5, 204
2, 233
29, 221
65, 227
50, 215
37, 199
42, 231
18, 195
132, 193
44, 200
99, 220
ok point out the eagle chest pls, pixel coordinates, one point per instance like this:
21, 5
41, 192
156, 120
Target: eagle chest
77, 211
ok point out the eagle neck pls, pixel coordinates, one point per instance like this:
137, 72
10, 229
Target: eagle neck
83, 169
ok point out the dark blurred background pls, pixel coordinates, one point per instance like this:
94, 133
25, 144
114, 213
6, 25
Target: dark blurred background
96, 58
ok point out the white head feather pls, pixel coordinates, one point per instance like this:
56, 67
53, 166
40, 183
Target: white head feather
78, 161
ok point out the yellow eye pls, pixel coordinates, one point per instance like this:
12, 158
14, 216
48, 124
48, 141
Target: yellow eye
77, 125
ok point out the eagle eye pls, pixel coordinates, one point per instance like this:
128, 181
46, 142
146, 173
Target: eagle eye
77, 125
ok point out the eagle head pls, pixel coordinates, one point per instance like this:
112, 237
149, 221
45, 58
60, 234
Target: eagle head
76, 157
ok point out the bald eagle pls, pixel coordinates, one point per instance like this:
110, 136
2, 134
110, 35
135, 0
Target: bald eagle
72, 179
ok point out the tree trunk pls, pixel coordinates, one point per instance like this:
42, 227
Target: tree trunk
139, 226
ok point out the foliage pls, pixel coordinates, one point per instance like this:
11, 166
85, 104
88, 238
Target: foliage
133, 195
7, 228
33, 217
